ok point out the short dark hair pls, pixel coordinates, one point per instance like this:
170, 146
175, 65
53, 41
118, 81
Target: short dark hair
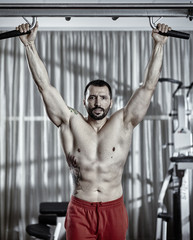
98, 83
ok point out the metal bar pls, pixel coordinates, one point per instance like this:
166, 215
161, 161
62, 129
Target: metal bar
96, 10
16, 33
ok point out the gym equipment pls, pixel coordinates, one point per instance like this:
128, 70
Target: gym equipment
171, 33
113, 10
16, 33
177, 176
116, 9
51, 221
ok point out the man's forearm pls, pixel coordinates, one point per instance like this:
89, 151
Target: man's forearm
154, 67
37, 67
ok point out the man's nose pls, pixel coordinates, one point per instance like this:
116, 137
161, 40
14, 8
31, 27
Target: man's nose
97, 102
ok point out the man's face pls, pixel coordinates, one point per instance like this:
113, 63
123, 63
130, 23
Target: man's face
97, 102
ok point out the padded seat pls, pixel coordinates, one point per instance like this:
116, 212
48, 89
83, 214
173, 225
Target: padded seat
50, 219
58, 208
38, 230
50, 213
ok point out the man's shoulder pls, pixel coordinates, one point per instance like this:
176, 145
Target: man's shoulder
117, 115
117, 119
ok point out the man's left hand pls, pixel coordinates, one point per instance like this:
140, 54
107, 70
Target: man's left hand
160, 28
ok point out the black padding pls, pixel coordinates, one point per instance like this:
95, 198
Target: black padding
182, 159
14, 33
176, 34
164, 216
58, 208
39, 231
48, 219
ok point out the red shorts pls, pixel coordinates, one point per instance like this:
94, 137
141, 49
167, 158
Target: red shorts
96, 221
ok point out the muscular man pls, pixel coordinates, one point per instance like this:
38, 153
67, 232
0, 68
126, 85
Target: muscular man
96, 147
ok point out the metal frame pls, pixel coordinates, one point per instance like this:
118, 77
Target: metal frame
97, 10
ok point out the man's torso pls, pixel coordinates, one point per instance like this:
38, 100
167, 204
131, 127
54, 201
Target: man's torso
96, 159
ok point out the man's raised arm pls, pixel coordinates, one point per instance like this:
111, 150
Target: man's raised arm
138, 104
56, 108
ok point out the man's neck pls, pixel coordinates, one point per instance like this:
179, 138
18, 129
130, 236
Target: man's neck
96, 124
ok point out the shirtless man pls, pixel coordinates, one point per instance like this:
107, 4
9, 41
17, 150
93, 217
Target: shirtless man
96, 147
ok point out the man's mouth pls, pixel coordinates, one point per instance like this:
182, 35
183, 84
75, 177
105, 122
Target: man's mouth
98, 111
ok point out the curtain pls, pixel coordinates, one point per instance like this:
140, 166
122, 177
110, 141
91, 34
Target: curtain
32, 164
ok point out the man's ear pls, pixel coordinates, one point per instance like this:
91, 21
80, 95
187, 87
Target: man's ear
111, 103
84, 102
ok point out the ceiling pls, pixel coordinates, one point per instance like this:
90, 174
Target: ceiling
96, 23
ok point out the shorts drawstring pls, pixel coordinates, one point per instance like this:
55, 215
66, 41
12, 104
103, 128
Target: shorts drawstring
98, 205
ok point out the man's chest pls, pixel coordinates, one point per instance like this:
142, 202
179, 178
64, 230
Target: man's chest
81, 138
110, 142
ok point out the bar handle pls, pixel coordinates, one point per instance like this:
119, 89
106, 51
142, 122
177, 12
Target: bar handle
176, 34
14, 33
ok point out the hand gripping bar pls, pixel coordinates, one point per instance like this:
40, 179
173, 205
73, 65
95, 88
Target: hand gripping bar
171, 33
16, 33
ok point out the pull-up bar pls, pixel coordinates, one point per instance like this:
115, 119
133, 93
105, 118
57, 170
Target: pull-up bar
16, 33
97, 10
114, 10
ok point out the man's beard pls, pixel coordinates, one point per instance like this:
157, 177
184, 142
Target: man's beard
99, 116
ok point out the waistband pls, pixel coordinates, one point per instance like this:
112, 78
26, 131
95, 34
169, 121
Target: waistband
86, 204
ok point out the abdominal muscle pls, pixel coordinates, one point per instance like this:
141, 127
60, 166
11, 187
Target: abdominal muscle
98, 193
96, 182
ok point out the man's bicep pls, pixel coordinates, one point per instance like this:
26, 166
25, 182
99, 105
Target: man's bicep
136, 108
56, 108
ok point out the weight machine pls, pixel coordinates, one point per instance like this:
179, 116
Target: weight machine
51, 220
181, 163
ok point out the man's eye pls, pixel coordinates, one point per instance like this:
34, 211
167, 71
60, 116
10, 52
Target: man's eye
91, 97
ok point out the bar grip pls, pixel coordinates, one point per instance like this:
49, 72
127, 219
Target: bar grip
176, 34
14, 33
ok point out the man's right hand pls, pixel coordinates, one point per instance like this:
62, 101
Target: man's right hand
27, 38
